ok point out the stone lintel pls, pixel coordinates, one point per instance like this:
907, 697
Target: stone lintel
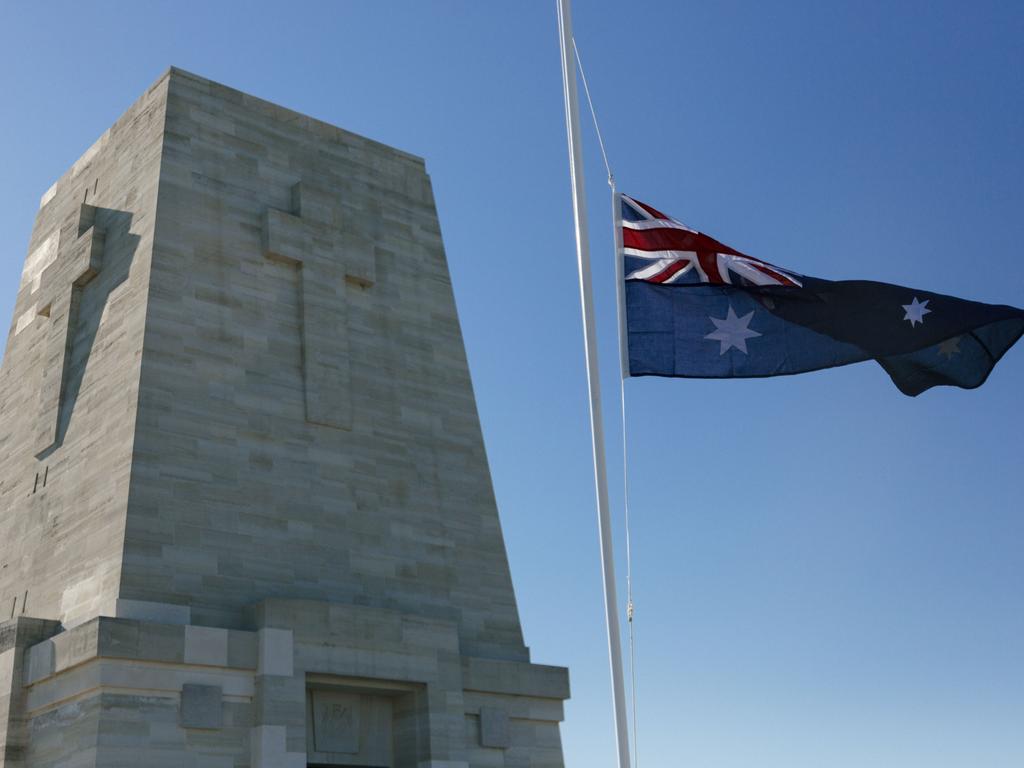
515, 678
356, 626
160, 613
128, 639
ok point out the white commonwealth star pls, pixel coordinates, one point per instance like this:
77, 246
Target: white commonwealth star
732, 331
916, 311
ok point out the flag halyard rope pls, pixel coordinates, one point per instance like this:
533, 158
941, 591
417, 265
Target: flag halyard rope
593, 114
630, 605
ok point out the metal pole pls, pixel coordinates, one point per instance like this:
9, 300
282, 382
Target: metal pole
572, 123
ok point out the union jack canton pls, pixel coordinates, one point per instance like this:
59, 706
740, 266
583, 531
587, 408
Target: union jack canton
659, 249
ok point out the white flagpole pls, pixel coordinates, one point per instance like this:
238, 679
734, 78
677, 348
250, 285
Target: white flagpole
572, 123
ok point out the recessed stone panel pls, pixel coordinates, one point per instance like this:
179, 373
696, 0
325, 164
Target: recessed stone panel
356, 726
494, 730
336, 721
201, 706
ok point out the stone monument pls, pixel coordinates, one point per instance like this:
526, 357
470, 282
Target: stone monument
246, 517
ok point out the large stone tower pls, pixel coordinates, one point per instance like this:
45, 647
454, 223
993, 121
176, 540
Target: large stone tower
246, 517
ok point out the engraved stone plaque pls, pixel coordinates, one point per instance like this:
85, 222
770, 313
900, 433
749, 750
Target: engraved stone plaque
336, 721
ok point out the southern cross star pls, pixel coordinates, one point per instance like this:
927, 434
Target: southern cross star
915, 311
950, 347
732, 331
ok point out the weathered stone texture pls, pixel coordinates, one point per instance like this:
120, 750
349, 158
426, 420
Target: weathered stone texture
70, 376
396, 511
202, 706
16, 636
241, 465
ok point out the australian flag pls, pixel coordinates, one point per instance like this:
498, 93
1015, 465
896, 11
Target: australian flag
697, 308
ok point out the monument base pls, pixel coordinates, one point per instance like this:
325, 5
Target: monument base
309, 684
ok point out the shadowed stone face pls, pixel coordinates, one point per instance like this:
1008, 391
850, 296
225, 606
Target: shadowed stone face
69, 383
77, 259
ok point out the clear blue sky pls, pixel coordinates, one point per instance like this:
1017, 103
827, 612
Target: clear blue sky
827, 573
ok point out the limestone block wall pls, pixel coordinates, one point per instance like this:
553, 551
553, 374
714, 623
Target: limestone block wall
16, 637
115, 692
307, 426
69, 380
242, 479
120, 692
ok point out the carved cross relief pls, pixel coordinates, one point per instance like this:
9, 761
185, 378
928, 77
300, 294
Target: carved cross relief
57, 287
328, 248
